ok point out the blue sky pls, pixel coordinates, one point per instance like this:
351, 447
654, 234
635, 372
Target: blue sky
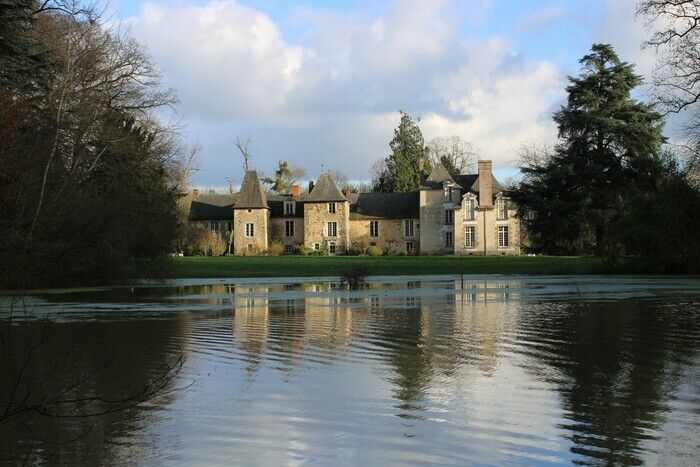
319, 82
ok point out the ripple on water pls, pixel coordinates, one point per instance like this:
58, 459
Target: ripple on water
502, 370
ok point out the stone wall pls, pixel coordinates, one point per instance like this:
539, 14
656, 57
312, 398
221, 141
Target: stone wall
486, 232
277, 231
391, 237
316, 217
243, 245
432, 228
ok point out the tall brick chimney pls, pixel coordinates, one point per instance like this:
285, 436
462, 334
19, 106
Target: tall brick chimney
311, 185
296, 191
485, 184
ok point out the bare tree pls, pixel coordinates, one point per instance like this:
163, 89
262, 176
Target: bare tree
245, 153
675, 28
99, 70
534, 154
339, 178
455, 153
675, 35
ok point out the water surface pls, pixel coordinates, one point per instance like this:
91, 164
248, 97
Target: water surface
449, 370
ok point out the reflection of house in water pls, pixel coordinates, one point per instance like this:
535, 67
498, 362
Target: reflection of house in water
426, 327
485, 311
251, 321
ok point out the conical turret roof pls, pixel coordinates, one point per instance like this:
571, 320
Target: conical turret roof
252, 194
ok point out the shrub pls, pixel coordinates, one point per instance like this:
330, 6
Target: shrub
305, 250
353, 251
209, 243
355, 277
276, 248
374, 251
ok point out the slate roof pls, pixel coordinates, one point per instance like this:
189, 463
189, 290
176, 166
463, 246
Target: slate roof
437, 177
325, 190
276, 203
212, 207
384, 205
252, 194
470, 182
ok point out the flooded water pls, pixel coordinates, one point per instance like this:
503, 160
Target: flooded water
484, 370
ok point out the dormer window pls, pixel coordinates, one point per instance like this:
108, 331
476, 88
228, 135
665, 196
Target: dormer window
331, 208
470, 209
502, 208
289, 208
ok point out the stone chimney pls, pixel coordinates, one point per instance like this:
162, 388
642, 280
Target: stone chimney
195, 192
311, 185
346, 192
296, 191
485, 184
421, 165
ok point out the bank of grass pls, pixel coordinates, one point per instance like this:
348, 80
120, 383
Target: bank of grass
305, 266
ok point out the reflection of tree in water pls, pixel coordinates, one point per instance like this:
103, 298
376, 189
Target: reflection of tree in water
250, 324
106, 360
619, 361
403, 331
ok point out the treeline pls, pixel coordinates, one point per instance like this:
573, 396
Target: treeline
607, 187
89, 177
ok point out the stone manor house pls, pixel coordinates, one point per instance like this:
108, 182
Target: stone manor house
462, 215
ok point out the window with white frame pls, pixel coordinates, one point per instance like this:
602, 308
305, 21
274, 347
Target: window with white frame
250, 229
288, 228
470, 211
449, 216
317, 246
503, 236
469, 237
408, 228
332, 229
374, 228
449, 238
289, 208
502, 206
332, 248
450, 193
331, 208
214, 225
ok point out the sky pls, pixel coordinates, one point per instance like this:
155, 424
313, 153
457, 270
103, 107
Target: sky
319, 83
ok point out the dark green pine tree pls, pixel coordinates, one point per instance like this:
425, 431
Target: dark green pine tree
609, 148
408, 153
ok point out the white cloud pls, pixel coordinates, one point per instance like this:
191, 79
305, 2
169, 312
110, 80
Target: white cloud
331, 95
226, 60
542, 17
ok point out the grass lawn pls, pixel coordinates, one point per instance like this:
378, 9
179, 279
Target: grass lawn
288, 266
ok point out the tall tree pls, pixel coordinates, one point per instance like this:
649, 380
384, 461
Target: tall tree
402, 170
82, 108
453, 152
285, 177
609, 147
